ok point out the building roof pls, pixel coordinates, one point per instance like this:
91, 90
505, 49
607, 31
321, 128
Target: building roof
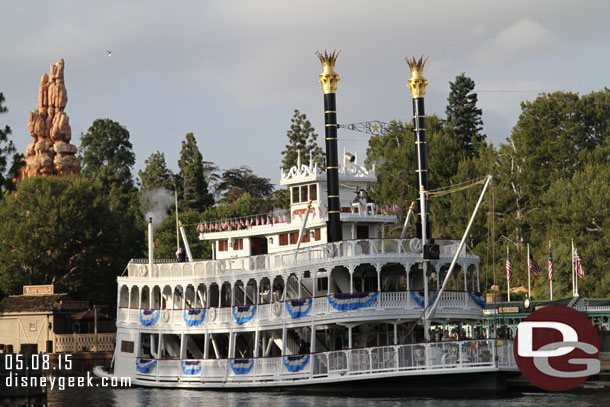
34, 303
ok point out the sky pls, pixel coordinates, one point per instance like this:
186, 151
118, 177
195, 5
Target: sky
233, 72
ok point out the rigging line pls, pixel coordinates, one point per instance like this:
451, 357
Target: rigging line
459, 184
450, 191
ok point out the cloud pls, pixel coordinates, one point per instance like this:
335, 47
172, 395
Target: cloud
521, 40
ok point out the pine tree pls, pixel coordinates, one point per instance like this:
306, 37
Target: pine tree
195, 193
463, 116
302, 138
156, 174
7, 148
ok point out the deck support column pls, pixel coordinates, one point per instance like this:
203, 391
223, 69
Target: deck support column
284, 338
256, 339
349, 333
206, 346
312, 342
378, 270
351, 268
395, 334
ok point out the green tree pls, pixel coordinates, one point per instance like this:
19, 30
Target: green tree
195, 193
60, 230
156, 174
7, 149
302, 138
463, 116
235, 182
107, 157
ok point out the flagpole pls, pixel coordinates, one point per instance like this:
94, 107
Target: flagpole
507, 278
550, 275
575, 255
572, 256
529, 283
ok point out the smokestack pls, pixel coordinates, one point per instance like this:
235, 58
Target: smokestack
150, 248
329, 79
418, 83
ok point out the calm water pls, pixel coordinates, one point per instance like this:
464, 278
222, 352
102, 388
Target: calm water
188, 398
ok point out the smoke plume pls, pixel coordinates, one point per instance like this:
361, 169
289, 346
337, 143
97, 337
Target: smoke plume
157, 202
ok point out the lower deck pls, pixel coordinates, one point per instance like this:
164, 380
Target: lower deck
466, 357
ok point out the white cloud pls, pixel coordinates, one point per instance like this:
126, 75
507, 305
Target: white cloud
521, 40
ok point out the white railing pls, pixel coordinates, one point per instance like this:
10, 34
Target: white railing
469, 355
309, 256
387, 304
84, 342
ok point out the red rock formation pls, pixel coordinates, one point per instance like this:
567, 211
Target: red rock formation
51, 153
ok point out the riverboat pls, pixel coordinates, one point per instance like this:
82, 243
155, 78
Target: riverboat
288, 302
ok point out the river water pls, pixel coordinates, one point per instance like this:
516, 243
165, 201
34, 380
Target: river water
107, 397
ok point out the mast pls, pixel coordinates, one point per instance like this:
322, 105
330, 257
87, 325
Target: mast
329, 79
418, 83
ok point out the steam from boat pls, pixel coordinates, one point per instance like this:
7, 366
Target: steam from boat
158, 202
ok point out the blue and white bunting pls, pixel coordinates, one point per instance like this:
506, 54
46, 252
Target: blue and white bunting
419, 297
194, 317
295, 363
478, 299
144, 365
149, 316
191, 367
298, 308
242, 366
244, 314
346, 302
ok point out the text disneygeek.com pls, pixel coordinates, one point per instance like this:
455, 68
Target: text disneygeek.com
60, 383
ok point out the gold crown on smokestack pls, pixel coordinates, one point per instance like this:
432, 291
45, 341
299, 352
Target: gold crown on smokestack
417, 83
329, 77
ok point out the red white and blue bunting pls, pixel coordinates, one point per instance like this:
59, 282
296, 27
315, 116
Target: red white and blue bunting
242, 366
194, 317
478, 299
191, 367
144, 365
244, 314
295, 363
149, 316
346, 302
420, 299
298, 308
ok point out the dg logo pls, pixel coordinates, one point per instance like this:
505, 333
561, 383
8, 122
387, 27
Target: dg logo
556, 348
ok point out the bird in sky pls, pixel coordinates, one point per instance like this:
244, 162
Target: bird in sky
109, 53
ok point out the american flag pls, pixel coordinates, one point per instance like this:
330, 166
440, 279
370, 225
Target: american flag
509, 268
551, 270
580, 272
534, 267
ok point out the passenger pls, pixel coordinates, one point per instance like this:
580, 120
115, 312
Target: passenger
303, 347
446, 336
181, 255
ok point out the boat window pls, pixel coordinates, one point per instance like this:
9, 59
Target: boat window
284, 239
127, 346
238, 244
305, 237
223, 245
304, 193
313, 192
295, 195
294, 237
318, 234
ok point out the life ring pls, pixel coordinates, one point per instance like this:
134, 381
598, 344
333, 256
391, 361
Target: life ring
415, 245
212, 314
276, 308
165, 316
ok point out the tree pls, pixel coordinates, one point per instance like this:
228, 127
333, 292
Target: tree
235, 181
302, 138
156, 174
7, 148
463, 117
61, 230
195, 193
107, 156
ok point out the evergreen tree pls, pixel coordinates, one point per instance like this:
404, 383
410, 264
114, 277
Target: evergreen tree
7, 149
156, 174
463, 116
107, 157
61, 230
195, 193
302, 138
